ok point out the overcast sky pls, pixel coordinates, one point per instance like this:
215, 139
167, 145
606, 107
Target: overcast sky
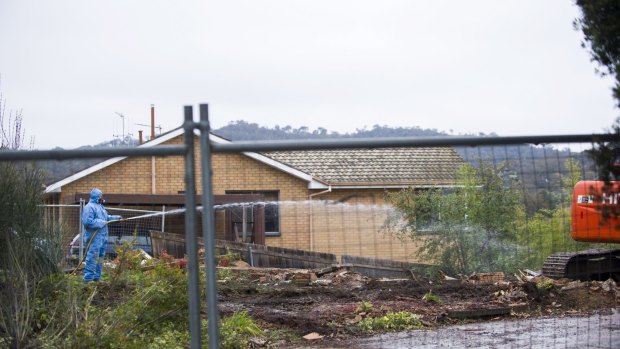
510, 67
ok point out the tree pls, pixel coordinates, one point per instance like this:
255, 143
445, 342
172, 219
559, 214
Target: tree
11, 131
470, 227
548, 230
600, 24
29, 250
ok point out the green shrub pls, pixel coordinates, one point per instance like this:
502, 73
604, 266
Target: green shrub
29, 251
134, 310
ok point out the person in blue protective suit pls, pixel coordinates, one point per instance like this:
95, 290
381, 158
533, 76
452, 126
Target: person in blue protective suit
95, 220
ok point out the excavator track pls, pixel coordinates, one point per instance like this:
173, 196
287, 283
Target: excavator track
586, 265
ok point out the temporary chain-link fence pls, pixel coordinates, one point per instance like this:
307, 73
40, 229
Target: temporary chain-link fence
134, 229
471, 223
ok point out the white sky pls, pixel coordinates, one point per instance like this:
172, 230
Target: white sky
510, 67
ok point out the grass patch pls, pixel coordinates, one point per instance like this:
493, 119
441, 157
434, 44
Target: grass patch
238, 330
399, 321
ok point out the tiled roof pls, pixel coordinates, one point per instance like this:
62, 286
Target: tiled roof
385, 166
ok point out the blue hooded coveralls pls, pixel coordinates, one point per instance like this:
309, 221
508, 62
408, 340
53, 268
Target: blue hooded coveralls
95, 219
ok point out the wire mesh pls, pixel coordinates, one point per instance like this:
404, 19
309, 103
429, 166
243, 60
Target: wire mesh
480, 243
133, 229
477, 240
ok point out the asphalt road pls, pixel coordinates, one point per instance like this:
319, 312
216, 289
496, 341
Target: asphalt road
596, 331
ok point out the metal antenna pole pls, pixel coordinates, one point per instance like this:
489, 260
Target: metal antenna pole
193, 289
123, 120
208, 226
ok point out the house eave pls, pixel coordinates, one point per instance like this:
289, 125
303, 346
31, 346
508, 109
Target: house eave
312, 182
57, 186
390, 186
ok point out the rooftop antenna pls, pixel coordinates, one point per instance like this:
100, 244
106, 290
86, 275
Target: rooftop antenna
158, 127
123, 134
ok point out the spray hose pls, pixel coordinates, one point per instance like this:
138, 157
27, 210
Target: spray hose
90, 241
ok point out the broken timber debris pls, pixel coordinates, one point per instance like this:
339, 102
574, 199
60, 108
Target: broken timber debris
487, 278
478, 313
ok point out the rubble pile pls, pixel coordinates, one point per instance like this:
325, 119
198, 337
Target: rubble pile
323, 304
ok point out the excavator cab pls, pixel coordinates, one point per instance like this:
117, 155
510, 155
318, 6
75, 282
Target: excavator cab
595, 212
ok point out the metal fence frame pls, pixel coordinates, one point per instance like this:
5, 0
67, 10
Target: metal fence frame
187, 150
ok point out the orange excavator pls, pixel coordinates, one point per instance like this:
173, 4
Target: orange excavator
595, 217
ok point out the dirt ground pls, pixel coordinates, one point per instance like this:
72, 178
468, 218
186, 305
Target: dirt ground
328, 304
600, 331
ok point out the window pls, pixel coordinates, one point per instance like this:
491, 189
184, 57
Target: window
272, 209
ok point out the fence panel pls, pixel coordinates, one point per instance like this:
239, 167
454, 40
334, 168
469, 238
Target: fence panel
479, 223
132, 229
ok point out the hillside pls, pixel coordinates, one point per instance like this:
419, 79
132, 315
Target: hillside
56, 170
535, 166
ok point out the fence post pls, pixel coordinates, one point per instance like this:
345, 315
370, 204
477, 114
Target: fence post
163, 218
193, 289
81, 230
208, 226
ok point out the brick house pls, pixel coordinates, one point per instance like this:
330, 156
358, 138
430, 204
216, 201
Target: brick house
327, 201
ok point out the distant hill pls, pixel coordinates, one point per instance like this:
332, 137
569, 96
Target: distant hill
244, 131
238, 131
56, 170
538, 168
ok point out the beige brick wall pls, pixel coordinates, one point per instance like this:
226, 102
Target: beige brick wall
129, 176
349, 224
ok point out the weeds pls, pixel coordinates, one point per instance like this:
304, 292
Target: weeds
282, 334
238, 329
399, 321
225, 275
134, 310
364, 307
545, 284
430, 297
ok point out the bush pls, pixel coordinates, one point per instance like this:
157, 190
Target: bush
470, 227
29, 251
134, 310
